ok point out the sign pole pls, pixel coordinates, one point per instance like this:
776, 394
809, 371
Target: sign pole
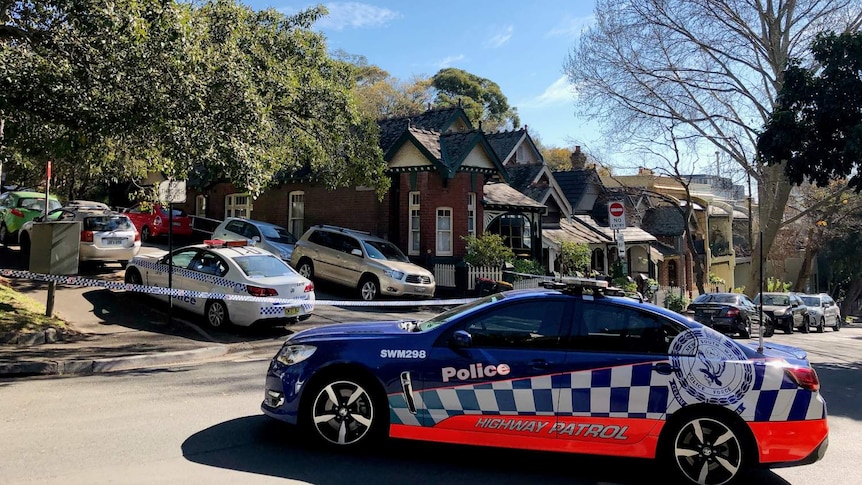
52, 285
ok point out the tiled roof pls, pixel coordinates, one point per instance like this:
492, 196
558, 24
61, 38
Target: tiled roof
521, 178
437, 120
574, 183
504, 142
429, 139
502, 196
574, 232
455, 145
630, 234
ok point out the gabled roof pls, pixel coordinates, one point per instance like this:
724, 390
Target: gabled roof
522, 178
574, 183
438, 120
505, 142
446, 151
503, 197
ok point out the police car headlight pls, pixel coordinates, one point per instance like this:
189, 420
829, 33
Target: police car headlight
395, 275
294, 354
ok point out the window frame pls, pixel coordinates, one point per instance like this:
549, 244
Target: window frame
471, 214
296, 224
233, 209
414, 230
438, 231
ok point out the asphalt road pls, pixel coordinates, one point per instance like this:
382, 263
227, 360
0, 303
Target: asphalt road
201, 423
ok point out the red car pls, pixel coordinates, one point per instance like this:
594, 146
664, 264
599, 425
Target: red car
151, 220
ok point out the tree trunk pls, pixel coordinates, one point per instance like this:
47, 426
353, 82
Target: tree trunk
774, 191
807, 262
850, 298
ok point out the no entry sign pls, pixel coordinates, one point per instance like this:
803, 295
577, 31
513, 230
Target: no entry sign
616, 215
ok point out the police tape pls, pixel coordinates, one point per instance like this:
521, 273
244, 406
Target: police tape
173, 292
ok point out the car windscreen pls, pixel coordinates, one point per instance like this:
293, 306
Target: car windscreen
777, 300
177, 212
263, 266
448, 315
383, 250
38, 204
811, 300
107, 223
277, 234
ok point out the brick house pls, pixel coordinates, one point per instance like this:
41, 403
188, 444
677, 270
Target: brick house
438, 165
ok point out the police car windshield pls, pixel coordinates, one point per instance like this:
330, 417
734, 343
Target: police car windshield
458, 311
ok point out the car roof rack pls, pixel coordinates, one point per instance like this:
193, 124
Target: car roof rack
341, 229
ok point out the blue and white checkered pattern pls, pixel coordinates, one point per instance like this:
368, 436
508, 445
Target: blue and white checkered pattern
631, 391
193, 275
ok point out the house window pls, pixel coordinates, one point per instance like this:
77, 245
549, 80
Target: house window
201, 206
471, 213
296, 213
598, 260
413, 248
444, 231
515, 231
237, 205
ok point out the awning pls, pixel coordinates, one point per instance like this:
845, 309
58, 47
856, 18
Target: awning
694, 205
570, 232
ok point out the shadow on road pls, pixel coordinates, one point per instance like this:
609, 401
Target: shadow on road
839, 384
256, 444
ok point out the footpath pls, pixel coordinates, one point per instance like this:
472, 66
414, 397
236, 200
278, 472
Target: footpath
109, 331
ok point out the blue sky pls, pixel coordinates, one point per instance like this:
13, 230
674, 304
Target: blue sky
520, 45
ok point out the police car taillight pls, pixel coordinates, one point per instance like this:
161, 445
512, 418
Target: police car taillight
309, 287
804, 377
258, 291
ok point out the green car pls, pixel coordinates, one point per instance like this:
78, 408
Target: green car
16, 208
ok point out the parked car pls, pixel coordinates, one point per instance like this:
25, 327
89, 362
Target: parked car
730, 313
552, 370
372, 265
16, 208
272, 237
228, 268
151, 220
105, 235
823, 311
786, 311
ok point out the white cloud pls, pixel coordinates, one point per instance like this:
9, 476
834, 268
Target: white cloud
571, 27
448, 61
558, 92
355, 15
499, 39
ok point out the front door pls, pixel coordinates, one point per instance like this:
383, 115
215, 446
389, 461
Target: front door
493, 374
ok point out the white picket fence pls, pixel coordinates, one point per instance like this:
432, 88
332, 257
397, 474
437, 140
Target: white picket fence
444, 275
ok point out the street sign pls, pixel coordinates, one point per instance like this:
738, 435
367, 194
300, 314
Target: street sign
616, 215
621, 245
172, 192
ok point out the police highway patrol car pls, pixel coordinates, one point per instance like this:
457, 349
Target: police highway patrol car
565, 368
243, 284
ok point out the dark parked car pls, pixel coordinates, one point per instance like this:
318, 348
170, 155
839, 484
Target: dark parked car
786, 310
730, 313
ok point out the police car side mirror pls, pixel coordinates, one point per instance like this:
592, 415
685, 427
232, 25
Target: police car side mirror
461, 339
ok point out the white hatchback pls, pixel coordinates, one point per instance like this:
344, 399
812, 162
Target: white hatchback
227, 269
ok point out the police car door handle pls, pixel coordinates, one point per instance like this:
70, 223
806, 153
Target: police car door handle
539, 364
664, 368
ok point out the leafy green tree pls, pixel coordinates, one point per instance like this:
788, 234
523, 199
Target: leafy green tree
574, 258
487, 250
215, 89
816, 127
481, 98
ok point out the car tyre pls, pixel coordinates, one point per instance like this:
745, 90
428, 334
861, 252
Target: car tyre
806, 324
821, 326
133, 277
789, 327
369, 288
4, 235
345, 412
305, 268
216, 314
145, 234
837, 326
25, 248
745, 329
707, 449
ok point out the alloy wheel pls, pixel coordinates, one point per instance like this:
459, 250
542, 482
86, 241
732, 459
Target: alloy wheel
368, 290
707, 452
216, 314
343, 413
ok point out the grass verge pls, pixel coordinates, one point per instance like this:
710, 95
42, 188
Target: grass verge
21, 314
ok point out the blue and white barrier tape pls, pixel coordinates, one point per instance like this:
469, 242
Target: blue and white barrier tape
157, 290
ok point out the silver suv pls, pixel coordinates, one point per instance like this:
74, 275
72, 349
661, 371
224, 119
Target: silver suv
372, 265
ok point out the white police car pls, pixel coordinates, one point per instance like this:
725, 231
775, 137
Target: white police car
554, 369
219, 279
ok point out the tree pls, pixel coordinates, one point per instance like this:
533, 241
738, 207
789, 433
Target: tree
216, 88
711, 67
380, 95
574, 258
482, 99
557, 158
816, 128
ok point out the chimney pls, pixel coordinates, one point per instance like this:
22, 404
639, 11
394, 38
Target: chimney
578, 159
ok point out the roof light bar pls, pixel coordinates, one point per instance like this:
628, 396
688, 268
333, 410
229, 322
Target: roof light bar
220, 243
